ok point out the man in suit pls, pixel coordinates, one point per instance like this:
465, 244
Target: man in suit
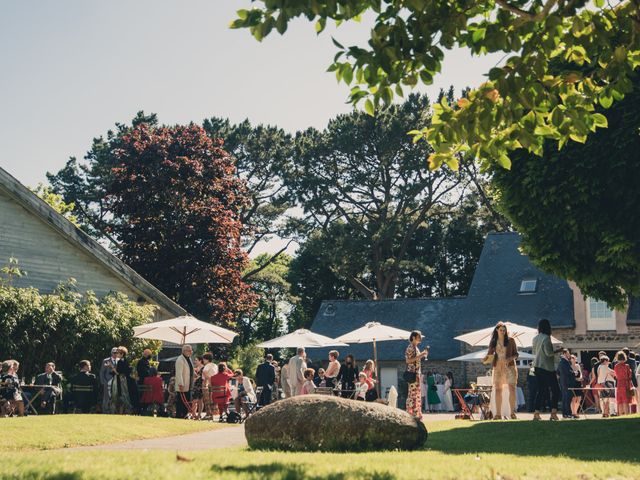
297, 366
143, 366
567, 378
106, 377
53, 391
265, 378
184, 381
85, 401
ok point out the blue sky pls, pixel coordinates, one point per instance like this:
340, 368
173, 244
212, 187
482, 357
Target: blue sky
72, 68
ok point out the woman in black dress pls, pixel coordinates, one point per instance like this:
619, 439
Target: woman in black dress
347, 376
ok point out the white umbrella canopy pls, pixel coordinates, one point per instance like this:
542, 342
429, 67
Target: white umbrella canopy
302, 338
184, 329
521, 334
374, 332
478, 356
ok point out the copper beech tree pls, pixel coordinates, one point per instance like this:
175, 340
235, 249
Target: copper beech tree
175, 199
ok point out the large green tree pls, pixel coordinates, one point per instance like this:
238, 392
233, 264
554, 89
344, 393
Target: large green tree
578, 208
524, 101
364, 172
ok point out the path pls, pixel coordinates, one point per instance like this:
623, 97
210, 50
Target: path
218, 438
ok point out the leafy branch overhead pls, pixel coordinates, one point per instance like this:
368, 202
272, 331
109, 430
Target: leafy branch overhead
526, 100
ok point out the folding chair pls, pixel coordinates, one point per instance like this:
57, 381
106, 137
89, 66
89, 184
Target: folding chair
142, 389
74, 389
192, 407
324, 391
218, 393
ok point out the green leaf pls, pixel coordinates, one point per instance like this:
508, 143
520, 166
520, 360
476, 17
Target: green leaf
605, 101
600, 120
320, 24
504, 161
336, 43
369, 108
243, 14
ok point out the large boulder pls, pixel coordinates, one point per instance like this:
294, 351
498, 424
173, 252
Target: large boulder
322, 422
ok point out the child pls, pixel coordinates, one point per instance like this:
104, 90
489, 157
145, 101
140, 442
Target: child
308, 387
362, 386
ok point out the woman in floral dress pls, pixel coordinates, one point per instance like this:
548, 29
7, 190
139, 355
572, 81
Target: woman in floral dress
413, 356
503, 354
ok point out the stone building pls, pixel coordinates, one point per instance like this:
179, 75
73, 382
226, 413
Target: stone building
52, 250
506, 287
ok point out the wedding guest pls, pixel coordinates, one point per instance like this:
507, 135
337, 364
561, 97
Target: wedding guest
144, 365
184, 381
545, 369
606, 384
308, 387
448, 394
362, 387
433, 398
297, 366
565, 374
370, 370
265, 378
244, 392
220, 390
503, 354
107, 372
124, 390
332, 369
53, 392
208, 371
284, 380
197, 392
624, 387
84, 401
631, 361
347, 376
321, 379
413, 357
576, 393
155, 396
10, 389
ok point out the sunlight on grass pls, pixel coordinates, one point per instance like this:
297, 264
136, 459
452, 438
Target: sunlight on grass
60, 431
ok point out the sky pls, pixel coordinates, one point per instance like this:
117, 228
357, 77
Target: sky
71, 69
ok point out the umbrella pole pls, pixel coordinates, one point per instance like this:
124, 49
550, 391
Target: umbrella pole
375, 359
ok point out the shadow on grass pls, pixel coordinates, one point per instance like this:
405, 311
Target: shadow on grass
284, 471
614, 439
49, 476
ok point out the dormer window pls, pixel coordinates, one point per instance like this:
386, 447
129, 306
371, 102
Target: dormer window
529, 285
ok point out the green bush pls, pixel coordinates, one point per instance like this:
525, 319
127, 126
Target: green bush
66, 327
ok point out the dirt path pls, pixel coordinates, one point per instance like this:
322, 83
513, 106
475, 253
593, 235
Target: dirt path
218, 438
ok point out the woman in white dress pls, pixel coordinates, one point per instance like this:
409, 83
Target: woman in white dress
447, 401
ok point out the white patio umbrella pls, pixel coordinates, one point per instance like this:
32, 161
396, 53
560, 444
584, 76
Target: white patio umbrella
184, 329
302, 338
521, 334
479, 355
374, 332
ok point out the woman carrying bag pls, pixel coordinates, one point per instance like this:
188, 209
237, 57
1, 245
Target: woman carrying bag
413, 356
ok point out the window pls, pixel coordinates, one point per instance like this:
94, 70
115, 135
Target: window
599, 315
529, 286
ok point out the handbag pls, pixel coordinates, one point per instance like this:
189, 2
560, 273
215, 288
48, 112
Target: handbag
488, 360
409, 377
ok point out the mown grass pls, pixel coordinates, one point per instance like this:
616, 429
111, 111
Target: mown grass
588, 449
63, 431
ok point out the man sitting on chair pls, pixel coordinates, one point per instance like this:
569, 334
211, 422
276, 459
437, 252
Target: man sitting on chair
244, 392
53, 391
87, 398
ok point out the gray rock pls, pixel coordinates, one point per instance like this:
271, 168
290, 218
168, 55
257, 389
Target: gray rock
322, 422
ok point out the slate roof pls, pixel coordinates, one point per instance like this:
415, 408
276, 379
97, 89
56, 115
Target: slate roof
493, 296
436, 318
494, 292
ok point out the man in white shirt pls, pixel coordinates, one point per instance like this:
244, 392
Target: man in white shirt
297, 366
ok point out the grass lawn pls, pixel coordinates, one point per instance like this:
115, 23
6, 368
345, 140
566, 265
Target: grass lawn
60, 431
586, 449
